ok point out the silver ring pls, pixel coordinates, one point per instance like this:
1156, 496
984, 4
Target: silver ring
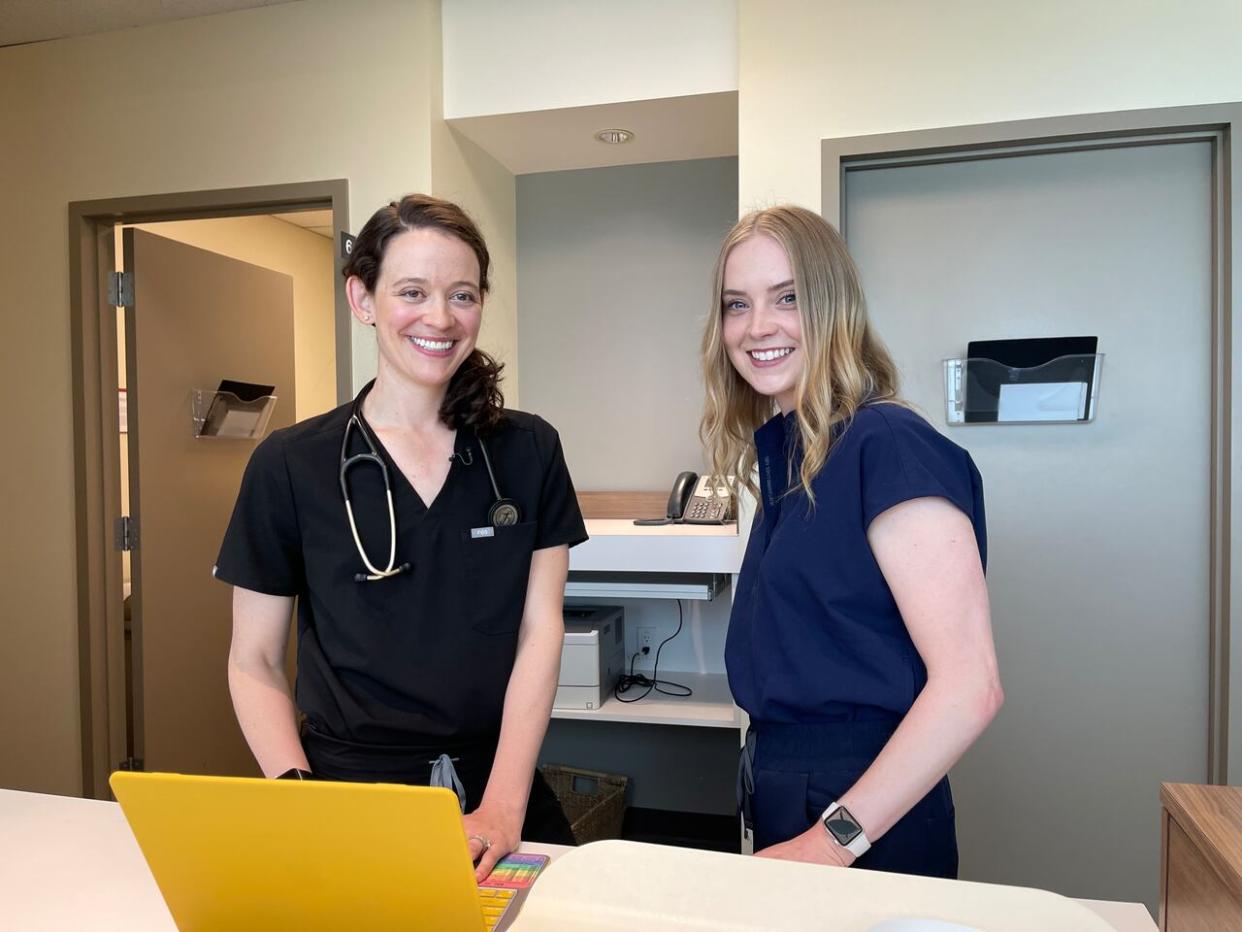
483, 840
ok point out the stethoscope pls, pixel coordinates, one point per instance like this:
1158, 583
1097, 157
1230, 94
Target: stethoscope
503, 513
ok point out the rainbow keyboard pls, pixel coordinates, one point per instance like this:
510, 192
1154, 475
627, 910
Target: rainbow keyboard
511, 874
495, 902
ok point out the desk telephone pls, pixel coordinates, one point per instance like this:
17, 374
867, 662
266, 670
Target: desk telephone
695, 500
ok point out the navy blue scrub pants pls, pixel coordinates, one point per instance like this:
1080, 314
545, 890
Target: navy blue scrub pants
798, 770
334, 759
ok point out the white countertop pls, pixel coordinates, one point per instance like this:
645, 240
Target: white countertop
620, 546
68, 863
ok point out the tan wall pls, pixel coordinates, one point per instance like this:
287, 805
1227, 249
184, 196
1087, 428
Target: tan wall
296, 92
816, 69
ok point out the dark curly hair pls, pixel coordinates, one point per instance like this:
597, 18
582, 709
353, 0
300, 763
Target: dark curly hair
473, 398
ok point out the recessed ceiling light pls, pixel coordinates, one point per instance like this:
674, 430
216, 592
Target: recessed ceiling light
614, 137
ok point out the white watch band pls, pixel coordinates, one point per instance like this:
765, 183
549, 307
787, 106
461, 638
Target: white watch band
858, 845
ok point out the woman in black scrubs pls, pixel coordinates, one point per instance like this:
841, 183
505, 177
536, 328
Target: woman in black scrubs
860, 641
424, 532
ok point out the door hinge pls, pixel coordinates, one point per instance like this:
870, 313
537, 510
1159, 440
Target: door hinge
130, 763
121, 289
125, 533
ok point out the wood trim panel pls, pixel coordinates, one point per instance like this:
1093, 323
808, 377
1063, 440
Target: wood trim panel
1197, 900
1200, 858
623, 504
1211, 816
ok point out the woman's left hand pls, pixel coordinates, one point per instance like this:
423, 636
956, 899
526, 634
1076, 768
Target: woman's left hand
503, 830
812, 846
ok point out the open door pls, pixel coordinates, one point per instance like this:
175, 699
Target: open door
195, 318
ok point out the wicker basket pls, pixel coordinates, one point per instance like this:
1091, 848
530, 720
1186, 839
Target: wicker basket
594, 802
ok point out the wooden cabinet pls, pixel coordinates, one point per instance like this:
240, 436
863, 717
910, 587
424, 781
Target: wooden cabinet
1200, 858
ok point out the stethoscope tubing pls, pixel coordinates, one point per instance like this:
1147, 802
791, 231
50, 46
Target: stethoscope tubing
503, 511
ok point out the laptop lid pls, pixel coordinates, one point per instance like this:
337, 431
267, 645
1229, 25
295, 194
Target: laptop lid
237, 853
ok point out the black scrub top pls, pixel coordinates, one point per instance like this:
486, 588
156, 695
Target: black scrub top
424, 655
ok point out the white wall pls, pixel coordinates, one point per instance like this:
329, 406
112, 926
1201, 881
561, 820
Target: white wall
615, 283
816, 69
464, 173
507, 57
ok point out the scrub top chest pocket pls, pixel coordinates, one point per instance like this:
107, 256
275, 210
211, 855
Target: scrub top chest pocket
496, 563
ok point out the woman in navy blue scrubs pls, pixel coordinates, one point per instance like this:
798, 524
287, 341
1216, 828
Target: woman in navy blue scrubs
424, 532
860, 642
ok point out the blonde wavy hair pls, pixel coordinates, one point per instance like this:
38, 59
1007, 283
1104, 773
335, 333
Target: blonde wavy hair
846, 364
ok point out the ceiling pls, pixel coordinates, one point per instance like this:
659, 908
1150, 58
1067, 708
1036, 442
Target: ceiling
23, 21
668, 129
317, 221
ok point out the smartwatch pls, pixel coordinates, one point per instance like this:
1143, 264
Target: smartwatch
844, 829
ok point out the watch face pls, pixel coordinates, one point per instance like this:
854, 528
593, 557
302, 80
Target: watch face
842, 827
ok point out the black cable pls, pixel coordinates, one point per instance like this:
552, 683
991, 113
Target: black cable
631, 680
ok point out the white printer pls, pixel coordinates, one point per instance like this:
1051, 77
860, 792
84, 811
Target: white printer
593, 656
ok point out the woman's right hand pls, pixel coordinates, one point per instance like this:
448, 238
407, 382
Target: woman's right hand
812, 847
258, 682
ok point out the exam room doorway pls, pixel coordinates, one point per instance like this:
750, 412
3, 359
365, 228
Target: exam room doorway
243, 290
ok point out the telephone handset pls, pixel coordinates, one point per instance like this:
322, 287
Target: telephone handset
695, 500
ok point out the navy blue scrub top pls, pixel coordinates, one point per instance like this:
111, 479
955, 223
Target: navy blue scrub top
815, 630
424, 655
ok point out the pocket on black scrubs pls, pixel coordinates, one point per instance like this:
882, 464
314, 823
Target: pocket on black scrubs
497, 569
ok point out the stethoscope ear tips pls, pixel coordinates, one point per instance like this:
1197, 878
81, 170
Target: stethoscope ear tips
504, 513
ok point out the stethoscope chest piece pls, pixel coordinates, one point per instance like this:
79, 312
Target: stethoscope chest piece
504, 513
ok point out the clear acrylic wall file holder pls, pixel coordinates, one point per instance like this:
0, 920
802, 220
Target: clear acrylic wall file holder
222, 415
1064, 390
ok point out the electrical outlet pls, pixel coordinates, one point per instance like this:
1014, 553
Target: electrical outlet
646, 639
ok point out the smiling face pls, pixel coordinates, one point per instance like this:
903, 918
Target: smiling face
760, 323
427, 306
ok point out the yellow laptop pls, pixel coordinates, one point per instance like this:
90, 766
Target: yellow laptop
238, 853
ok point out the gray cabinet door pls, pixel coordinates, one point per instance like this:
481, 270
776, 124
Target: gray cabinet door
1099, 534
196, 318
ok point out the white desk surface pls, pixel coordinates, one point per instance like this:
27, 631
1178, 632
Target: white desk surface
619, 546
68, 863
625, 527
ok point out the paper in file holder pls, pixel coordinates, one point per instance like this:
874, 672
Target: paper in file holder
1063, 390
235, 410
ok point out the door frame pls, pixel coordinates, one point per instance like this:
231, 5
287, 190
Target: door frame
97, 490
1211, 123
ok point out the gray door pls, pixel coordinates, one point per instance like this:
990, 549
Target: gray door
1099, 533
196, 318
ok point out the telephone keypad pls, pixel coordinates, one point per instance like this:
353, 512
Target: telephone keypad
705, 511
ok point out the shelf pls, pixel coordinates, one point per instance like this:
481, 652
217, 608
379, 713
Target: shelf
711, 706
702, 587
619, 546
